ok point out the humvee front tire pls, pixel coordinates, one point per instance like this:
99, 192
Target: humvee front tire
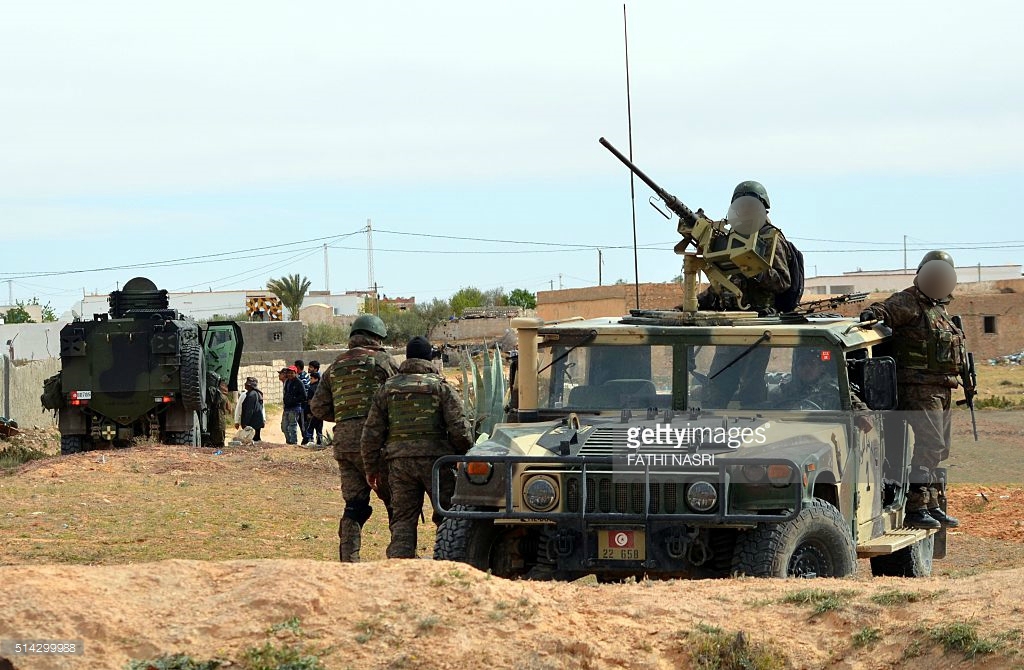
478, 542
817, 543
912, 561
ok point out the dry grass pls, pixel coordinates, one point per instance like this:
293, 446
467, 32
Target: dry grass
155, 502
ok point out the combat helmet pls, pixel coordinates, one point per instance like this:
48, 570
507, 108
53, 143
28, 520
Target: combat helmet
937, 255
371, 324
753, 188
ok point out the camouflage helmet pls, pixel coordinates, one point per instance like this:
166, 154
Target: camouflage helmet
753, 188
371, 324
937, 255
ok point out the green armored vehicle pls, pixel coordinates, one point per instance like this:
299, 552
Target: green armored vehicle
141, 370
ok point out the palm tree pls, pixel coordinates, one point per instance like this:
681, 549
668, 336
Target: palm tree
291, 290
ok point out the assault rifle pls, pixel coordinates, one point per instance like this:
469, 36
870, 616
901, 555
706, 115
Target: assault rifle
811, 306
969, 377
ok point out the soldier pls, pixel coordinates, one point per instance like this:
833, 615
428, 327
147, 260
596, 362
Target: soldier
814, 383
217, 401
344, 396
415, 418
758, 292
930, 353
759, 295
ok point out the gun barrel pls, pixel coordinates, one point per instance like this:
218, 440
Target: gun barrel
673, 203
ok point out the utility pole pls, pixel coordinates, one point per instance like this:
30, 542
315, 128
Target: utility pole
327, 272
559, 281
369, 259
600, 262
904, 254
551, 283
10, 293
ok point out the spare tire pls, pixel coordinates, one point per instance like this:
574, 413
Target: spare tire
191, 372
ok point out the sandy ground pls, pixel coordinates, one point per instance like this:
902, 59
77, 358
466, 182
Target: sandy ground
426, 614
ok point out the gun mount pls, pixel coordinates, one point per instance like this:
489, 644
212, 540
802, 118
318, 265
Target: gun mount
722, 249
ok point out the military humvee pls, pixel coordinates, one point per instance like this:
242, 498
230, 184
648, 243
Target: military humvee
141, 370
676, 444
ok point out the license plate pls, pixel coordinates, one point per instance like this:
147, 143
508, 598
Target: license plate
621, 545
85, 395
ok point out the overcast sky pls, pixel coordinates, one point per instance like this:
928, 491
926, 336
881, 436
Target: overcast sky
142, 133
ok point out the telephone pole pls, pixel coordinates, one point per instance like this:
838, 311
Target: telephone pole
600, 262
327, 272
369, 263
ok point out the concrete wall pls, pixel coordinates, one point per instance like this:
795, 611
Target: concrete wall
476, 330
615, 300
22, 384
32, 341
272, 336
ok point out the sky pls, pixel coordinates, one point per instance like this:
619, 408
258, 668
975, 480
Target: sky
212, 146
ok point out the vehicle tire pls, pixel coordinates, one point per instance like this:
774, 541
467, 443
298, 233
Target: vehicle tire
912, 561
188, 438
816, 543
478, 542
191, 374
73, 444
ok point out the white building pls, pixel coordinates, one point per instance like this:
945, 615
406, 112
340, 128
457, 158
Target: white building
880, 281
204, 305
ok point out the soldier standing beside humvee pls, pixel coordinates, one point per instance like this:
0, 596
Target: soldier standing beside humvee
344, 396
415, 418
930, 353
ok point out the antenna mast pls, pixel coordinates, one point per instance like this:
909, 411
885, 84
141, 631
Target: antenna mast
632, 178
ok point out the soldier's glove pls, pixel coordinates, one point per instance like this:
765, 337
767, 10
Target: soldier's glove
868, 315
374, 481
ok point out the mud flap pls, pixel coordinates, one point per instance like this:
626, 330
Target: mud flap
939, 475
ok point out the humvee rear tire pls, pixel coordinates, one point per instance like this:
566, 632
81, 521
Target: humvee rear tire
912, 561
73, 444
478, 542
817, 543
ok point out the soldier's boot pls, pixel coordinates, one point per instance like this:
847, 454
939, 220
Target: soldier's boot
916, 511
403, 545
350, 534
936, 496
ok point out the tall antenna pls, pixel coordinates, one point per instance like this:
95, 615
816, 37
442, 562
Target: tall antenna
632, 178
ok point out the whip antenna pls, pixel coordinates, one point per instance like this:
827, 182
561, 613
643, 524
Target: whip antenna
632, 178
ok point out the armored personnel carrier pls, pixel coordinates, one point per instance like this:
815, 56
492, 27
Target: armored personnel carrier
141, 370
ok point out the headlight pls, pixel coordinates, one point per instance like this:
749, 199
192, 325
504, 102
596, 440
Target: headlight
540, 493
753, 473
701, 497
780, 474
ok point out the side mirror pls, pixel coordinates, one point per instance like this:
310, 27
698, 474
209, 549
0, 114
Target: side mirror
877, 377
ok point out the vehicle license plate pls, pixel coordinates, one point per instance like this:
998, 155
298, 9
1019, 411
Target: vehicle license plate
621, 545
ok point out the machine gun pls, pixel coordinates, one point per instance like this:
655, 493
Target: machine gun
969, 377
812, 306
721, 253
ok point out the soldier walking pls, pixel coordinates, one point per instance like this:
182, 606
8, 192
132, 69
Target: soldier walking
344, 396
415, 418
930, 353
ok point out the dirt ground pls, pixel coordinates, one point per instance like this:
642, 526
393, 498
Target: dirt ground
157, 550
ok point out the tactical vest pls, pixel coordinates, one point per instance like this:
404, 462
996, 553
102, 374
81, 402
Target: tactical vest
414, 408
935, 345
353, 383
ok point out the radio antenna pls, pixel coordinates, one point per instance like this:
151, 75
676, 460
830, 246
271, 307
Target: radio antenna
632, 178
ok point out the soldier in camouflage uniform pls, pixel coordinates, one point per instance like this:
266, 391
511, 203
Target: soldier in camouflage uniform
930, 353
759, 293
813, 382
344, 396
416, 417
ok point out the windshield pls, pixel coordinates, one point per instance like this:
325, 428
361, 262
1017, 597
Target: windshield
615, 377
